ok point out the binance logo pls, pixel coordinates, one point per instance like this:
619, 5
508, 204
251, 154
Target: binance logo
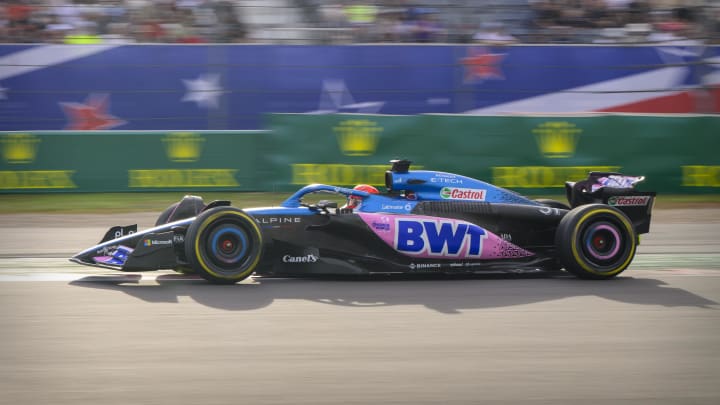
357, 137
557, 139
19, 148
183, 146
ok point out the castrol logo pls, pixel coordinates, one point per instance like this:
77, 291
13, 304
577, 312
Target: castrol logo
454, 193
627, 201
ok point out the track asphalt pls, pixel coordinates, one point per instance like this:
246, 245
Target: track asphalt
77, 335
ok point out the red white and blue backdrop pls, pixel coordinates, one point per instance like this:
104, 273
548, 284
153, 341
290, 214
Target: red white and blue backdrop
196, 87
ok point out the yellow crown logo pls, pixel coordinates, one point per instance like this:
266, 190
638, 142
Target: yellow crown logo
557, 139
357, 137
183, 146
20, 148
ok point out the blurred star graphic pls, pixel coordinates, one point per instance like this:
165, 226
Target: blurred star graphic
3, 93
205, 91
91, 115
336, 97
481, 65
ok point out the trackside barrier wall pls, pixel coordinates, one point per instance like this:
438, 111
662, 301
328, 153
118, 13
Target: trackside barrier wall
130, 161
530, 154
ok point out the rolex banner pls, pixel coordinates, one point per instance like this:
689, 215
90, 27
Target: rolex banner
531, 154
130, 161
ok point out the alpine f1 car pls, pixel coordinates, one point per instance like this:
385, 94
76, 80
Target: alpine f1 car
426, 221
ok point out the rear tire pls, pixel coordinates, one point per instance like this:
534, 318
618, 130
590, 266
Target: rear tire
595, 241
224, 245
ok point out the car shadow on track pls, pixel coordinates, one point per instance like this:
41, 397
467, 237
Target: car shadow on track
443, 294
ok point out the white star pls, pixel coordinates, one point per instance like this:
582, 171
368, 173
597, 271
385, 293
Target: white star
335, 97
205, 90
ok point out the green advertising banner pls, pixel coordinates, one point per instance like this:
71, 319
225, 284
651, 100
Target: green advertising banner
530, 154
677, 154
130, 161
338, 149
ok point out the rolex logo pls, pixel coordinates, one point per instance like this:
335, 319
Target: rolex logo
19, 148
183, 146
557, 139
357, 137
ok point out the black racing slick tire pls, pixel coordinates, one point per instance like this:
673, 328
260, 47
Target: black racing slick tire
224, 245
595, 241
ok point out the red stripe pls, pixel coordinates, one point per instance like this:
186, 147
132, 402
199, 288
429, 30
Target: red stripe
675, 103
684, 102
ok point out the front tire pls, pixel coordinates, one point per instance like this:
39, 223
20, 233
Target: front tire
224, 245
595, 241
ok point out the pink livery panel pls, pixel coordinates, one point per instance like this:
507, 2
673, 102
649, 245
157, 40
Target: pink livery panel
440, 238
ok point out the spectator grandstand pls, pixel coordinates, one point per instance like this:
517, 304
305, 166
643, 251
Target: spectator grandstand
358, 21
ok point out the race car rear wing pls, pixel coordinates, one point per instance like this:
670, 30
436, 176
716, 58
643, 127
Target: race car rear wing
617, 190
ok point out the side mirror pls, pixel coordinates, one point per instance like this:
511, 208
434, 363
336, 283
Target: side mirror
325, 204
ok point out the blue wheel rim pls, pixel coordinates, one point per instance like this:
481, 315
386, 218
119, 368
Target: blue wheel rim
229, 245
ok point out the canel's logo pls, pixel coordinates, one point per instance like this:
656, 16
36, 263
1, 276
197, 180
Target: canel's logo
357, 137
310, 258
557, 139
439, 238
454, 193
183, 146
19, 148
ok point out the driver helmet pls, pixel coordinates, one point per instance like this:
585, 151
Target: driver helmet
353, 201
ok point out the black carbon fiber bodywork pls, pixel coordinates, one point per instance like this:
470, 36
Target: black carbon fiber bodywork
344, 244
426, 222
